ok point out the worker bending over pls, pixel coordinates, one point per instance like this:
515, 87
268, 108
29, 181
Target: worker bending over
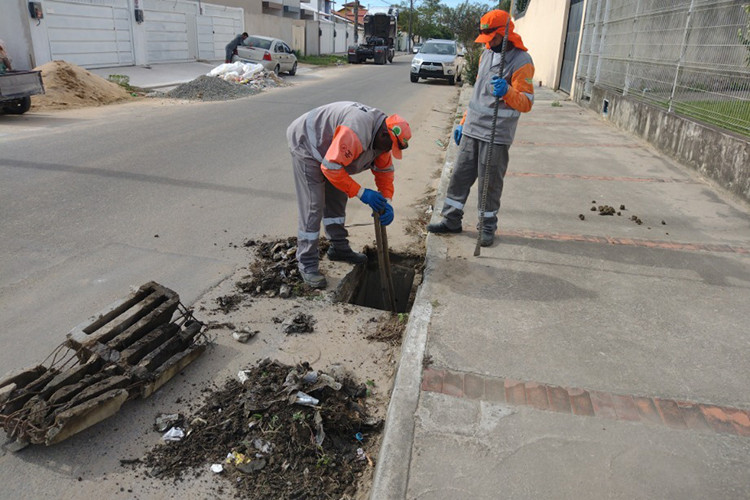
330, 144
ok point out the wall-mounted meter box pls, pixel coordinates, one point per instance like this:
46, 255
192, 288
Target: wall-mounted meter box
35, 10
139, 15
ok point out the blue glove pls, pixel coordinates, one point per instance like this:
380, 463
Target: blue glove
374, 199
457, 134
500, 86
387, 216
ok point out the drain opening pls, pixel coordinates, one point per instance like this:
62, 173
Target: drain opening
362, 286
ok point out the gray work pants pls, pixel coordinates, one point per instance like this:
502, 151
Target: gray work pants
317, 200
472, 156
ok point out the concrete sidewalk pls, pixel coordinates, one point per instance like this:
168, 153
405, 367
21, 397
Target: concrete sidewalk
583, 355
160, 76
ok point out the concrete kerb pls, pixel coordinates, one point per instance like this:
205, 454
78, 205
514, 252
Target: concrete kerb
392, 472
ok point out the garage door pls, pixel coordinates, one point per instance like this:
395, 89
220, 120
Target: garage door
90, 33
216, 28
167, 31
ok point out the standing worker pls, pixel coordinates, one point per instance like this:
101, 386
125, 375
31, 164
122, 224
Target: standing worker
515, 89
232, 46
328, 145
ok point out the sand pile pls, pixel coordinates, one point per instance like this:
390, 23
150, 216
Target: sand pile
69, 86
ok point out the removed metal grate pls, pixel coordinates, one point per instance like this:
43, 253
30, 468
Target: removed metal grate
126, 351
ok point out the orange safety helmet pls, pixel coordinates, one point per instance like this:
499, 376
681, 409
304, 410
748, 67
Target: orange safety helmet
493, 22
400, 133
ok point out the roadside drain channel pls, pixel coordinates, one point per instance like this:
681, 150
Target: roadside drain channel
362, 286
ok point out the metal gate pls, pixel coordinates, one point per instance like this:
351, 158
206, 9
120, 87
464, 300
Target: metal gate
216, 28
575, 16
90, 33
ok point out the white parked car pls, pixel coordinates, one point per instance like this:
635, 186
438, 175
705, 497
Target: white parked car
273, 54
438, 59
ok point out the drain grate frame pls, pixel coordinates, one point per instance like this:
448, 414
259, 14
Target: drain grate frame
361, 286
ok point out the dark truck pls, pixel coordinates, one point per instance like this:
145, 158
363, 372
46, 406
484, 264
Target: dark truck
380, 34
16, 89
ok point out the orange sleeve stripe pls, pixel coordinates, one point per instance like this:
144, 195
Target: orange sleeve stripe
384, 182
384, 161
521, 82
345, 146
344, 149
342, 181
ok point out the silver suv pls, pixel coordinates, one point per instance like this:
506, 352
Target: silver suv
438, 59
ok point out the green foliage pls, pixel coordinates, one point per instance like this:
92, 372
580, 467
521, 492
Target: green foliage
472, 55
403, 318
123, 81
327, 60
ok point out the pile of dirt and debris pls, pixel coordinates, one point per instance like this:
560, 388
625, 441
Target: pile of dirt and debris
276, 432
69, 86
214, 88
274, 270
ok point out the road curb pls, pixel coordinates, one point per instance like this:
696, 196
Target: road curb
392, 473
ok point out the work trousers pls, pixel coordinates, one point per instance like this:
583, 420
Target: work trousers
470, 162
317, 200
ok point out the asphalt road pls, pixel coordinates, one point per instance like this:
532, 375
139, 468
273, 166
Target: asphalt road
96, 201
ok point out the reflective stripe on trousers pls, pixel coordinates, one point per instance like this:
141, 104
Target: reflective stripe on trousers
317, 200
472, 155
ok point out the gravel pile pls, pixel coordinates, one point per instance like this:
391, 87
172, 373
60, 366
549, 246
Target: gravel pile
211, 88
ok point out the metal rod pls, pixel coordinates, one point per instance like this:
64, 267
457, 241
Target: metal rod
383, 263
488, 160
388, 269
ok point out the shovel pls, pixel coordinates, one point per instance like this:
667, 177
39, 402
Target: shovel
384, 263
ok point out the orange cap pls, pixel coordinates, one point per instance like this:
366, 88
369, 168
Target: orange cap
494, 22
400, 133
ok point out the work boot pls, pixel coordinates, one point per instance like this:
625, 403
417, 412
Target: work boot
346, 255
442, 228
314, 279
487, 239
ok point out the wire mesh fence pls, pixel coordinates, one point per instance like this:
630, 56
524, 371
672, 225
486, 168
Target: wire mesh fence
691, 57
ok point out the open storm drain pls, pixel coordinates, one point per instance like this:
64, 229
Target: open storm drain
364, 286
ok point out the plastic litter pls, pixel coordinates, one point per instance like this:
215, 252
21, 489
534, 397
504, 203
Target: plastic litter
217, 468
253, 466
262, 446
305, 399
166, 421
243, 335
358, 436
174, 434
310, 377
236, 72
242, 376
237, 458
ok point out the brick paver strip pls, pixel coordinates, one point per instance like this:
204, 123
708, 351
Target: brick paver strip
559, 400
453, 384
670, 413
578, 401
693, 416
474, 386
515, 392
625, 408
603, 404
536, 396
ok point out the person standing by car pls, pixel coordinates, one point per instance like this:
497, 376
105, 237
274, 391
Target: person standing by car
232, 46
330, 144
5, 65
515, 90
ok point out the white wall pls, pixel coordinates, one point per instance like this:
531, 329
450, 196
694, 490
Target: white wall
542, 29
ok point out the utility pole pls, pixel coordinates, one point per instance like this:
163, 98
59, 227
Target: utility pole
356, 21
411, 13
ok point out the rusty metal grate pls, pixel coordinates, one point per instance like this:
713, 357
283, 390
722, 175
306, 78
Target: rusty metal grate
126, 351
